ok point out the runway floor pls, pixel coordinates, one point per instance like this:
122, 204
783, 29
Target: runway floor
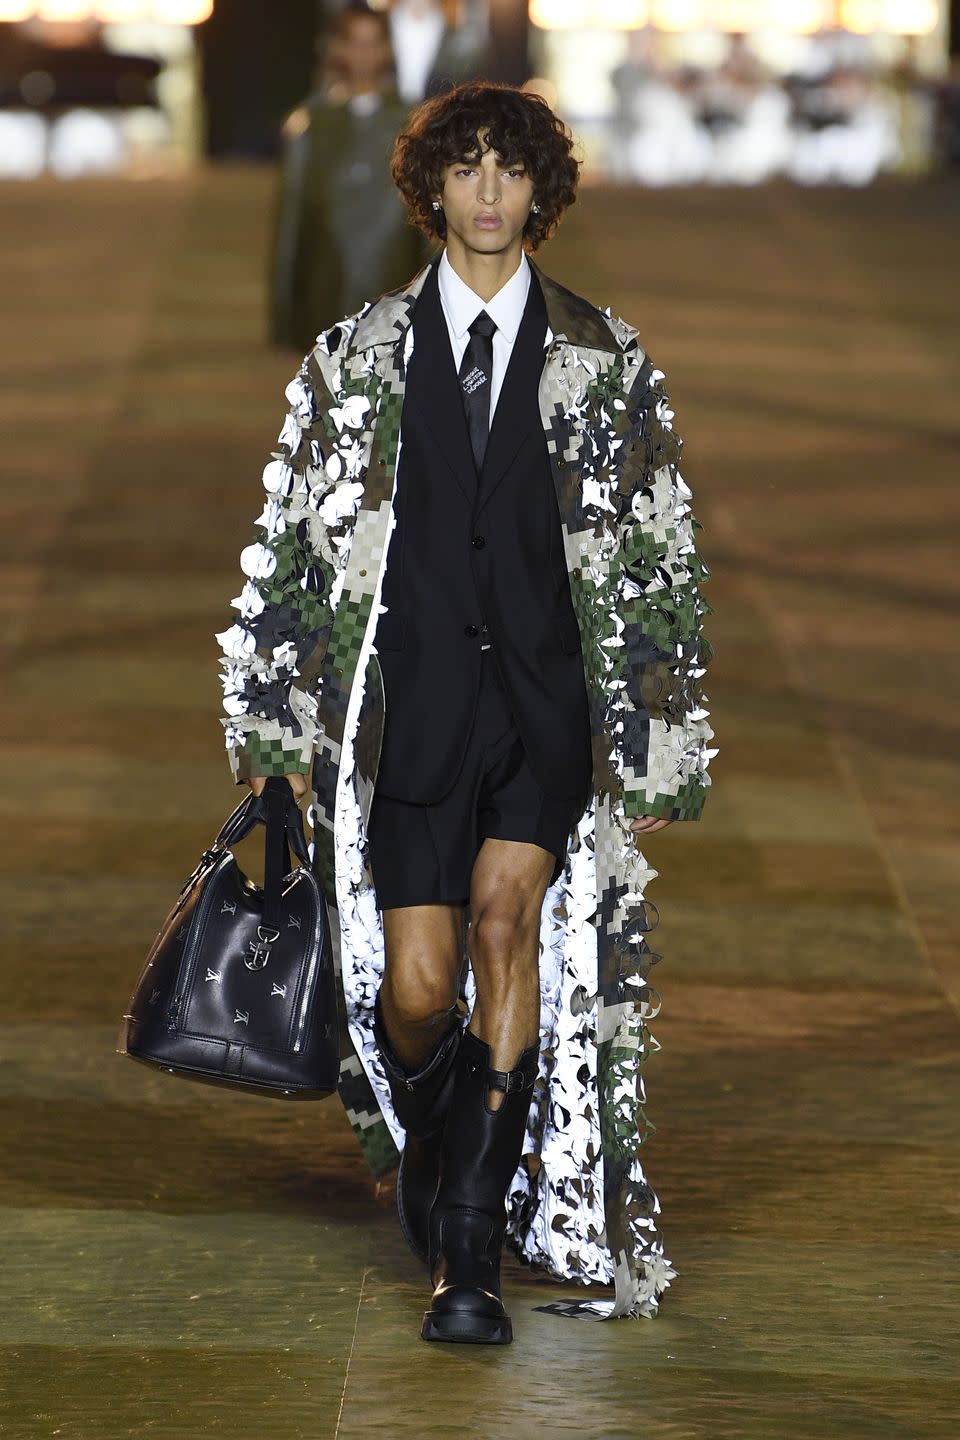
179, 1263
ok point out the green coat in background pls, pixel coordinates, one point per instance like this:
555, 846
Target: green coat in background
341, 232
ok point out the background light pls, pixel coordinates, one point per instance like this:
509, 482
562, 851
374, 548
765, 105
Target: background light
64, 10
800, 17
183, 12
582, 14
909, 17
677, 14
738, 17
621, 14
119, 11
859, 16
795, 17
166, 12
558, 14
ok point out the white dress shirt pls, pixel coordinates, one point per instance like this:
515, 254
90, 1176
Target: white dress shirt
366, 105
461, 306
416, 44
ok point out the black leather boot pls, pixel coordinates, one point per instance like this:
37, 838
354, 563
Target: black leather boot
481, 1152
420, 1100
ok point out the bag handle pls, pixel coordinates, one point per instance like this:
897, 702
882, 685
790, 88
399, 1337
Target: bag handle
275, 807
253, 810
276, 863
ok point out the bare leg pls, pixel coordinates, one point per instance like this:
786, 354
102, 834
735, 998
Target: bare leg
507, 887
421, 977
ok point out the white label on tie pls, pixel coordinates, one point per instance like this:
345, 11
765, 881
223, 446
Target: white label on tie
474, 380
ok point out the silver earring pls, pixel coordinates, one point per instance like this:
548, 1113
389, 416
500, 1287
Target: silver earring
535, 209
437, 205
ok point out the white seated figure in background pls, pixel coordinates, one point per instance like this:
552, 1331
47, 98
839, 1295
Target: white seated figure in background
759, 145
668, 146
755, 142
657, 140
23, 144
862, 141
85, 142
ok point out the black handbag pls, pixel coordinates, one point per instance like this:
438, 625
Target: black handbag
238, 987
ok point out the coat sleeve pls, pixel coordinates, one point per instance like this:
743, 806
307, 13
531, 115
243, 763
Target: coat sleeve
273, 650
664, 654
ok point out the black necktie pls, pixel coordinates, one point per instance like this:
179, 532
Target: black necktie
476, 373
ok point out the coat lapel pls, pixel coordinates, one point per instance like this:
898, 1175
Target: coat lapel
574, 319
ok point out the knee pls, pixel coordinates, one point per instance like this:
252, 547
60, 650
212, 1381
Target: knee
420, 997
504, 946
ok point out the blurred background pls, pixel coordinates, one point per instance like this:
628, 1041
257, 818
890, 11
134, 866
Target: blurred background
660, 91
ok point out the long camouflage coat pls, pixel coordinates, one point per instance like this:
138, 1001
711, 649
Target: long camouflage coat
304, 692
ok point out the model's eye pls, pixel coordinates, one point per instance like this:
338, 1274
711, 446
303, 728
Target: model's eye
517, 174
466, 170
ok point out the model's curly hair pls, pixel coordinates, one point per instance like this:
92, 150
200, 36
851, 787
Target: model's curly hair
522, 129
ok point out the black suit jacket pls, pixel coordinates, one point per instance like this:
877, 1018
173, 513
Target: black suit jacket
476, 557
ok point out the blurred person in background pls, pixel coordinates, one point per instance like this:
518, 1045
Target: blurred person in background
341, 233
432, 50
656, 137
756, 141
947, 131
856, 137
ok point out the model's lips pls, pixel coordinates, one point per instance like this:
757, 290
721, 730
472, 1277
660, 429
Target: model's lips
488, 222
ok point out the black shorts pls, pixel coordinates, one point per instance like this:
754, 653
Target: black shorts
424, 854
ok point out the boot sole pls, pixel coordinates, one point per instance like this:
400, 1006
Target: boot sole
467, 1329
405, 1228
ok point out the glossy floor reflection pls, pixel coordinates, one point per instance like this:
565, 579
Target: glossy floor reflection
181, 1263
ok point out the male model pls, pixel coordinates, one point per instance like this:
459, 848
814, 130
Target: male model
474, 617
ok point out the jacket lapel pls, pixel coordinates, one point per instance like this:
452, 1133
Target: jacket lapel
436, 390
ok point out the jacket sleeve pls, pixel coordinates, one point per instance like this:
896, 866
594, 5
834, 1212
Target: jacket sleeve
273, 650
662, 725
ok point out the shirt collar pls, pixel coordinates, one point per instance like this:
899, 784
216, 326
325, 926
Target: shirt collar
462, 305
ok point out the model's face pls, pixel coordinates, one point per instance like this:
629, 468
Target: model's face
486, 202
364, 53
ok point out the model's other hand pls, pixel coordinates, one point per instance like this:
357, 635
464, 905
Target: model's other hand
296, 781
646, 824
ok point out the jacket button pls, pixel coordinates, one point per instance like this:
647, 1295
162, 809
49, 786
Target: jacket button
471, 630
561, 463
478, 542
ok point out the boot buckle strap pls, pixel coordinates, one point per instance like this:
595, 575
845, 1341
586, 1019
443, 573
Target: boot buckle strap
511, 1081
